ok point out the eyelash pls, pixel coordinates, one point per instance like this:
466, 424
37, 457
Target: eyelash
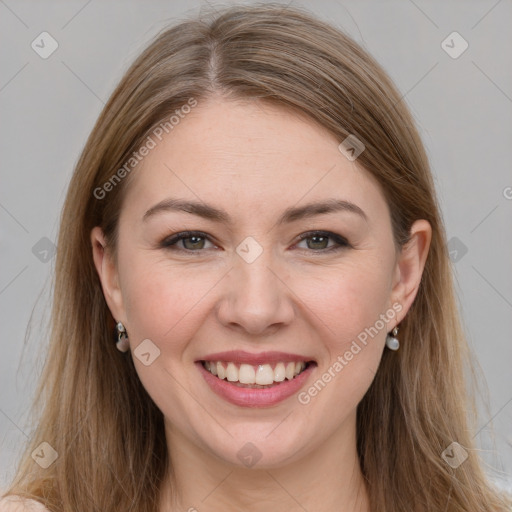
170, 242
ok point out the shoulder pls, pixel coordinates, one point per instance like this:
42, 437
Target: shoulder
19, 504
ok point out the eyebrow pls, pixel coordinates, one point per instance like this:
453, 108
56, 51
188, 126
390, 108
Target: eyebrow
291, 214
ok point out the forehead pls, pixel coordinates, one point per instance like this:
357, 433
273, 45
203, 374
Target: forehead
249, 155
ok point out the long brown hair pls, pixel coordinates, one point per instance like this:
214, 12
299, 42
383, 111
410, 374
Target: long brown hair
107, 431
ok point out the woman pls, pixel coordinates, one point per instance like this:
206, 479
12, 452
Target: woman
254, 226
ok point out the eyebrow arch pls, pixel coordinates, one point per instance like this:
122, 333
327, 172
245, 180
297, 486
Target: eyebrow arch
289, 215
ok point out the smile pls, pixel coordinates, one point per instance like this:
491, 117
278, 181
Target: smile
255, 380
255, 376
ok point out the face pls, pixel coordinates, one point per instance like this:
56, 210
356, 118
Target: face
257, 277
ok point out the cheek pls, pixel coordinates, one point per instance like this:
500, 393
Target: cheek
163, 302
350, 306
347, 300
167, 306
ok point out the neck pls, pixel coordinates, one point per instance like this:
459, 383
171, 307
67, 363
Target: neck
328, 478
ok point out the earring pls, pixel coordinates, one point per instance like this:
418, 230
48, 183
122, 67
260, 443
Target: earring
391, 342
123, 345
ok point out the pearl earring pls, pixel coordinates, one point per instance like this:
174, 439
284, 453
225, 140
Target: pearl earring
123, 345
391, 342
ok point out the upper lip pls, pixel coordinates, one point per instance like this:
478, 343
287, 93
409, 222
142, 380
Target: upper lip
242, 357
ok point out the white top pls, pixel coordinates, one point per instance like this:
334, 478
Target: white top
19, 504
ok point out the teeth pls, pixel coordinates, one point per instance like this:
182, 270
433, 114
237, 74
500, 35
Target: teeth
279, 372
262, 374
232, 372
290, 371
247, 375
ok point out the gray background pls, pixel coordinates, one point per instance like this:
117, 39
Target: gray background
463, 107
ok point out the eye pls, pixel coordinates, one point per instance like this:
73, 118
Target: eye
192, 241
319, 241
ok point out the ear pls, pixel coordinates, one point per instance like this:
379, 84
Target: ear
409, 266
108, 275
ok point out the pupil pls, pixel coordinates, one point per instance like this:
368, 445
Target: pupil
193, 240
317, 237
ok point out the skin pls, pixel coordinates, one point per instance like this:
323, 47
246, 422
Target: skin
254, 161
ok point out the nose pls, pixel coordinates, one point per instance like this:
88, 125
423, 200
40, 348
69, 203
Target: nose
256, 298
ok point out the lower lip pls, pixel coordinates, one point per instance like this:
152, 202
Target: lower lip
255, 397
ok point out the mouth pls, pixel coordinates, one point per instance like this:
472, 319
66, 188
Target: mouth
261, 376
255, 380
